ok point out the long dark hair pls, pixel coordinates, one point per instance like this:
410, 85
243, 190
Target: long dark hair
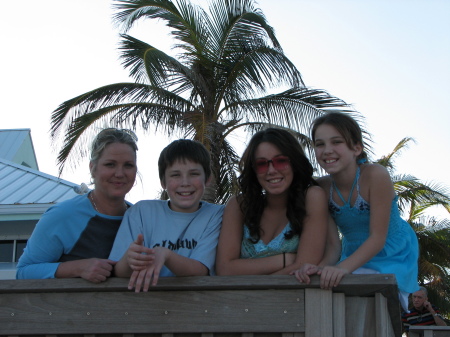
252, 199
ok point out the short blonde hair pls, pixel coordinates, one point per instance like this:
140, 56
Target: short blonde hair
109, 136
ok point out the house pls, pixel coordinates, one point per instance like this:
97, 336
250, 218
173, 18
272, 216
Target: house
25, 194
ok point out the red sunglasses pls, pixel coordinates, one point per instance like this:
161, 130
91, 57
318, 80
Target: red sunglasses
278, 162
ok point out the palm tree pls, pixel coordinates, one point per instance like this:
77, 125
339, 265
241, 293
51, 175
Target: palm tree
229, 64
415, 198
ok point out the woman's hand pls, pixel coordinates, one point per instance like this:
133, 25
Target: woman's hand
302, 274
331, 276
94, 270
97, 270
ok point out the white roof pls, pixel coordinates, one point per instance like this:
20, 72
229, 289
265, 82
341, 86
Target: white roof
29, 188
16, 145
25, 192
10, 142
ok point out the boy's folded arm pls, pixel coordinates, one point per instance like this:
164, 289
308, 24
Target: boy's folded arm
185, 266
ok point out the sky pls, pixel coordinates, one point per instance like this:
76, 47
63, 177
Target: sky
390, 59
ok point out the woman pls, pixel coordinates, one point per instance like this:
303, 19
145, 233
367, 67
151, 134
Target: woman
74, 238
279, 219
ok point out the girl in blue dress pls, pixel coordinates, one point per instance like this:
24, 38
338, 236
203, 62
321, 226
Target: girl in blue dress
279, 220
363, 203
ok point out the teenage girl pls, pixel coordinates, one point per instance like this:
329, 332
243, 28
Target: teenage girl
362, 202
279, 219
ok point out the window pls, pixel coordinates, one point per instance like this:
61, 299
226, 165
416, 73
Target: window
11, 250
20, 246
6, 250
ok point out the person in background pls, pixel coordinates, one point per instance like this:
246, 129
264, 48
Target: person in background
279, 219
175, 237
363, 203
422, 312
74, 238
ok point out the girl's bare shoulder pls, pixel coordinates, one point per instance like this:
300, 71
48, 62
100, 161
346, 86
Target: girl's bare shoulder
315, 191
324, 182
374, 171
375, 177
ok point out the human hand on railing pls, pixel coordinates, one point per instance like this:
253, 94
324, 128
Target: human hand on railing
150, 275
331, 276
302, 274
138, 256
95, 270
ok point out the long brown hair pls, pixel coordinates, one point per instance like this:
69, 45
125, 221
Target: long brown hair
252, 199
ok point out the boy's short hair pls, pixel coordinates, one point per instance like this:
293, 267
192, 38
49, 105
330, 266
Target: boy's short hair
184, 149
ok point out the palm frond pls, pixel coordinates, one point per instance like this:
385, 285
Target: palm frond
125, 115
92, 100
233, 20
434, 260
151, 65
295, 108
186, 20
419, 196
253, 70
111, 95
123, 104
228, 161
388, 160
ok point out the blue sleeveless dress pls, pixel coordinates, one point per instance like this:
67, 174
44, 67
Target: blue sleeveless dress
400, 253
278, 245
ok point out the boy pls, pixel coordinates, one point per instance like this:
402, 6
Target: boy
175, 237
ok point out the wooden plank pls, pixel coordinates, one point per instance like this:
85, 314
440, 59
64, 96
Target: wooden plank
318, 313
383, 324
437, 333
338, 315
360, 316
224, 311
430, 330
351, 285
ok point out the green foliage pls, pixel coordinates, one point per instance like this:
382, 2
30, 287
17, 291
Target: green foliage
415, 199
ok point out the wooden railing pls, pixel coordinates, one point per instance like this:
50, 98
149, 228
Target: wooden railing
362, 305
429, 331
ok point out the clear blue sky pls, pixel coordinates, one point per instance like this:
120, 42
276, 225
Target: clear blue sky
389, 58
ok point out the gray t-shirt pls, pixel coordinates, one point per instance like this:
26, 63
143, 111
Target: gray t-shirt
193, 235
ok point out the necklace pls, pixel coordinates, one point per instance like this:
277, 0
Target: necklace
91, 197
